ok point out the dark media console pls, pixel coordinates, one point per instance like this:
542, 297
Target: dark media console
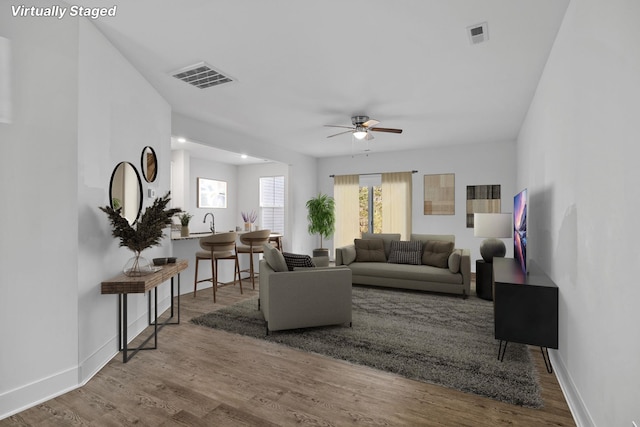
525, 307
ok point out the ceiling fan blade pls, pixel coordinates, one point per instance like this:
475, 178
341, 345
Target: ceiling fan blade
341, 133
337, 126
369, 123
389, 130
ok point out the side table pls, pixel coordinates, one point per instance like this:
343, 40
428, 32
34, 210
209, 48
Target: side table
484, 280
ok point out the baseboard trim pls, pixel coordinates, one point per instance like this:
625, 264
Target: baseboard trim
27, 396
576, 405
37, 392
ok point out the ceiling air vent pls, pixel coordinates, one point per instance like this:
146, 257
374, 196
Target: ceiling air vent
478, 33
201, 76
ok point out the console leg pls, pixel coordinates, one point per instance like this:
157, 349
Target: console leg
502, 351
547, 361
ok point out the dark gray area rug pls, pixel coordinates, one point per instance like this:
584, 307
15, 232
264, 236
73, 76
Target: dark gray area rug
433, 338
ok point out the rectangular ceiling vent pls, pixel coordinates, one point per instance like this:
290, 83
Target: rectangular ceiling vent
201, 75
478, 33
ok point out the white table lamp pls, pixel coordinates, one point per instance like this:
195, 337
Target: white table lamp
493, 226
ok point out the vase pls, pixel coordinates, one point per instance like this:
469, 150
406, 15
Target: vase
247, 226
184, 231
137, 266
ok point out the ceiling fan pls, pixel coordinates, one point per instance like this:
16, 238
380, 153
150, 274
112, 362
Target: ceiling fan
361, 127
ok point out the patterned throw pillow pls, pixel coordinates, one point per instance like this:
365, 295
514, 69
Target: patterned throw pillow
297, 260
406, 252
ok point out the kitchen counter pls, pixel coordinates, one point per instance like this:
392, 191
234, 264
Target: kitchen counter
175, 235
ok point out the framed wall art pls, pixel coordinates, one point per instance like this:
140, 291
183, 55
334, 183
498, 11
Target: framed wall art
482, 199
212, 193
439, 194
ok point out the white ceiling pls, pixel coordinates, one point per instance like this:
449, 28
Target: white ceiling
198, 149
302, 64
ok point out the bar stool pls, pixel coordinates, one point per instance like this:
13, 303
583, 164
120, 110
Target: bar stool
217, 247
252, 244
276, 240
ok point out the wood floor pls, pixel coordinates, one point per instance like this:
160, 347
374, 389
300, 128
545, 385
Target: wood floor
204, 377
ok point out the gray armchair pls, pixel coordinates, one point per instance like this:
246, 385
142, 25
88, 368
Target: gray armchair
304, 298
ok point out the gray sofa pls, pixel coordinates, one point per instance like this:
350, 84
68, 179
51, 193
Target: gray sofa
370, 267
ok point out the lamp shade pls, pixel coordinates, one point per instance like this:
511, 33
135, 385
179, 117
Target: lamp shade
497, 225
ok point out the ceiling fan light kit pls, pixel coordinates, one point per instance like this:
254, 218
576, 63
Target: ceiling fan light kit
361, 127
360, 132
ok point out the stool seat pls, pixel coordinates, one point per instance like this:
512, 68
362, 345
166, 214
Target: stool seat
216, 247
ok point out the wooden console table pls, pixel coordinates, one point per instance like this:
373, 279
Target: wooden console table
124, 285
525, 307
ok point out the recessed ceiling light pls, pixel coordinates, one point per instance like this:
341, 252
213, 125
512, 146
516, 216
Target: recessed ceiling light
244, 156
182, 140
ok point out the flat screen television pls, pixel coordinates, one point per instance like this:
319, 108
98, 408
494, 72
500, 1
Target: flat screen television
520, 208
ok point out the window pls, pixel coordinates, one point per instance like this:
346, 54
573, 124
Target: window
371, 209
370, 201
272, 203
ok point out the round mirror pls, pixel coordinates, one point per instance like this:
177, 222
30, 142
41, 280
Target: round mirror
125, 191
149, 164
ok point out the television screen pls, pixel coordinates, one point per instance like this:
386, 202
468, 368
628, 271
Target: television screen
520, 229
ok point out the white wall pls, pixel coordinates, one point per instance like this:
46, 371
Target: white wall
119, 114
577, 155
472, 165
38, 247
70, 127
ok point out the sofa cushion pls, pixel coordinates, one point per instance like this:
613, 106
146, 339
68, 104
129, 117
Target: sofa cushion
454, 261
436, 253
274, 258
424, 238
406, 252
386, 237
297, 260
369, 250
399, 272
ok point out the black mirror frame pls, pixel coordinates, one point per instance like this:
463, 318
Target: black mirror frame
142, 164
113, 174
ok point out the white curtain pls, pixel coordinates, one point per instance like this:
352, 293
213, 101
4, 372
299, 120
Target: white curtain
396, 203
345, 193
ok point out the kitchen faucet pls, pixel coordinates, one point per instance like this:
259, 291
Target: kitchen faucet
212, 224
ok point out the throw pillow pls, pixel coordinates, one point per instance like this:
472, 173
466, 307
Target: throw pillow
406, 252
436, 253
454, 261
369, 250
297, 260
274, 258
387, 238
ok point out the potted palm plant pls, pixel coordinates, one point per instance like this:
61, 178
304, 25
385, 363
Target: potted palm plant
322, 220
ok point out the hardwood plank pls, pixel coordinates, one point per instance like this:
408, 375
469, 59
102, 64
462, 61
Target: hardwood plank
200, 377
